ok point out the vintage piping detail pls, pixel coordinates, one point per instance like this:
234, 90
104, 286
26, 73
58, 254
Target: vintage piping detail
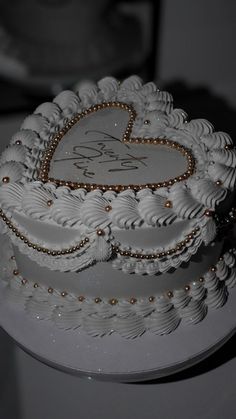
130, 317
210, 157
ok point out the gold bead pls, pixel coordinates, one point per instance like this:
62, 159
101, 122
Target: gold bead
113, 301
24, 281
201, 279
147, 122
209, 213
18, 142
63, 293
97, 300
151, 299
168, 204
108, 208
6, 179
132, 300
49, 202
50, 290
16, 272
13, 257
169, 294
36, 285
100, 232
81, 298
218, 182
213, 269
187, 287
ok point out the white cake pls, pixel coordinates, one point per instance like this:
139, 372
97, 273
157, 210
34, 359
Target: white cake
117, 208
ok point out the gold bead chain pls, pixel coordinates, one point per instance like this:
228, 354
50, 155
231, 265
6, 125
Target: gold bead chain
39, 248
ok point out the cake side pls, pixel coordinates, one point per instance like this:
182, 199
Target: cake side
129, 315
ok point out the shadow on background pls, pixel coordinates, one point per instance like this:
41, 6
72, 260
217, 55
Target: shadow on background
9, 396
220, 357
199, 102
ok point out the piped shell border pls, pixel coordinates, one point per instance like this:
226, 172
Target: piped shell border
130, 318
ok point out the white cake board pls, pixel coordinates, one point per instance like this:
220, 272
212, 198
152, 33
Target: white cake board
114, 358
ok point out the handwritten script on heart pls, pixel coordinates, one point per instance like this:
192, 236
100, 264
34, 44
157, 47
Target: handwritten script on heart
96, 149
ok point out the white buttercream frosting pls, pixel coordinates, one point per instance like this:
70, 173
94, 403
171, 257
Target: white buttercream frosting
35, 123
16, 153
108, 87
36, 203
68, 102
225, 173
130, 209
26, 137
160, 316
183, 210
11, 170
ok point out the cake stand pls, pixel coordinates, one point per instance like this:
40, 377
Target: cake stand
113, 357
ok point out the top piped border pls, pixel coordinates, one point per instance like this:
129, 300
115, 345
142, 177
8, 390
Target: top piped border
193, 198
126, 138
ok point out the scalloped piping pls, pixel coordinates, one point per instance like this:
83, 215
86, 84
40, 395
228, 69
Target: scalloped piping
39, 248
130, 318
117, 250
80, 256
158, 255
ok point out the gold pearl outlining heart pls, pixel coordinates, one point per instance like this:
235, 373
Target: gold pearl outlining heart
126, 138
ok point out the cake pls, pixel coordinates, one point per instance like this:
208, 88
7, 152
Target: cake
119, 212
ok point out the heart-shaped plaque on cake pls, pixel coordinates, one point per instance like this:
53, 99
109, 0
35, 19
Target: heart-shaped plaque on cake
96, 149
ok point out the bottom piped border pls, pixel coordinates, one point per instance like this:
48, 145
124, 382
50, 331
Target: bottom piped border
131, 317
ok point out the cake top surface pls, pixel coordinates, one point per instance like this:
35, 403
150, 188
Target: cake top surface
118, 156
94, 151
